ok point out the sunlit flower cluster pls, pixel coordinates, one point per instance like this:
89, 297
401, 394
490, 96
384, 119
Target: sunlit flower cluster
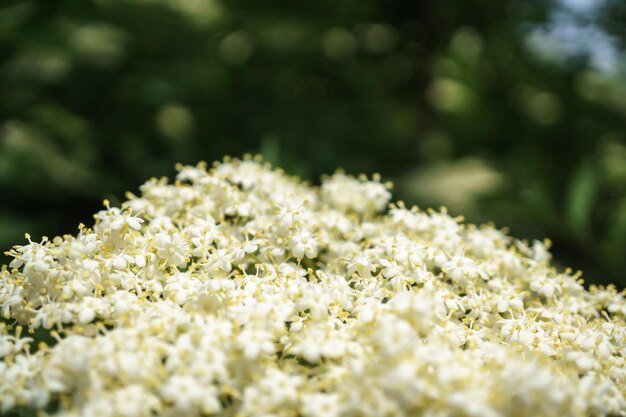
240, 291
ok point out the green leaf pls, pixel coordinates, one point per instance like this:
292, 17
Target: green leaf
618, 230
581, 198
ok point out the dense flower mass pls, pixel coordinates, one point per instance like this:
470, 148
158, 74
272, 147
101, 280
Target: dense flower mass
240, 291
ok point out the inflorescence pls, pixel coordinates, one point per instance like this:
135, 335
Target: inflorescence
240, 291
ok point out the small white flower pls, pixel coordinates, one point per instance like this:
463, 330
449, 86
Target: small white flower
241, 291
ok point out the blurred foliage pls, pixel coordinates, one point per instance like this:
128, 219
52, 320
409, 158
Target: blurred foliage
450, 99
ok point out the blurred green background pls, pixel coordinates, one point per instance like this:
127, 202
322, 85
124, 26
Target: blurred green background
505, 111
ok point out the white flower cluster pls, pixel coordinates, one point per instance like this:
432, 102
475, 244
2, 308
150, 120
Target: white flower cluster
239, 291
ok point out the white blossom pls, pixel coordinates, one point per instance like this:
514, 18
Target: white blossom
240, 291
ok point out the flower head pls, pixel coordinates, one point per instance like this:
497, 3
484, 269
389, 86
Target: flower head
240, 291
